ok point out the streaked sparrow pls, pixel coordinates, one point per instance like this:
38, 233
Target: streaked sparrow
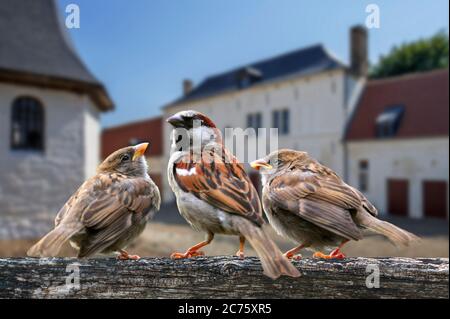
215, 195
309, 203
108, 211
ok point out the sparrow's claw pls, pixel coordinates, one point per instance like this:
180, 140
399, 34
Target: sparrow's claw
125, 256
332, 255
196, 253
321, 255
188, 254
177, 255
337, 254
240, 254
134, 257
292, 256
293, 253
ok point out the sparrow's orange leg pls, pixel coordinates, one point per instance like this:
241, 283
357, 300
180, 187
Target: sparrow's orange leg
193, 251
240, 252
124, 255
335, 254
292, 254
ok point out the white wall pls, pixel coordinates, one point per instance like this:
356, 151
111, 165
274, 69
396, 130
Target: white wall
317, 114
412, 159
37, 184
91, 137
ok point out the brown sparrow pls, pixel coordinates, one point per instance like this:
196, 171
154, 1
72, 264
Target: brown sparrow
108, 211
215, 195
310, 204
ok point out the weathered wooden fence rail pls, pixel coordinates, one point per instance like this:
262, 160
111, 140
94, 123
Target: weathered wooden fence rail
221, 277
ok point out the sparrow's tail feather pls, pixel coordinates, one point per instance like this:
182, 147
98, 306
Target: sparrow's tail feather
272, 260
50, 244
395, 234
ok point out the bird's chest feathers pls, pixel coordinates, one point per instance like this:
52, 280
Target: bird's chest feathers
199, 214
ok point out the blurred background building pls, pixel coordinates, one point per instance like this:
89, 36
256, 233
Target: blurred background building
389, 137
49, 115
307, 94
397, 144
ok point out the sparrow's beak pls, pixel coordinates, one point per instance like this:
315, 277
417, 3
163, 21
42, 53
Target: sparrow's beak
176, 120
260, 163
139, 150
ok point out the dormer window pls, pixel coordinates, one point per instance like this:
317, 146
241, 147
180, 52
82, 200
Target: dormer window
247, 76
244, 82
388, 122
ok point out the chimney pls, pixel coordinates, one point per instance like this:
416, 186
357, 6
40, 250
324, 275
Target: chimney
358, 51
187, 86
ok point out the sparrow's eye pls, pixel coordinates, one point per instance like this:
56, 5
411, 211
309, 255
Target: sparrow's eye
125, 158
276, 162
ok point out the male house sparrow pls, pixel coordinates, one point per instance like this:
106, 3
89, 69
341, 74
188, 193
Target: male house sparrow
215, 195
108, 211
310, 204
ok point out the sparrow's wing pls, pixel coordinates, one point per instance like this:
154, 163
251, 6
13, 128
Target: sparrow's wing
319, 197
220, 180
77, 203
365, 202
114, 193
109, 205
63, 211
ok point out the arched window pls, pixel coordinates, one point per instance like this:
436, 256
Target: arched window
27, 124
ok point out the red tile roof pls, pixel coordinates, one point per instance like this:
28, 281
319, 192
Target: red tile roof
149, 130
423, 95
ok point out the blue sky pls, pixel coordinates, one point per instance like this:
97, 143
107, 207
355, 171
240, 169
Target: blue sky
142, 49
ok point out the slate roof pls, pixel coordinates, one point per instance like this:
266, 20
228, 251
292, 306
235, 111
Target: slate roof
35, 48
423, 96
305, 61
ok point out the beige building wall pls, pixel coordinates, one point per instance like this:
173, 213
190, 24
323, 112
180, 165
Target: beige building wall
415, 159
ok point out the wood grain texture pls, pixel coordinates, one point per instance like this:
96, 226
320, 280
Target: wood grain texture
220, 277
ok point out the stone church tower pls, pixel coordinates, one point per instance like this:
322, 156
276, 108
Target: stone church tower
50, 106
